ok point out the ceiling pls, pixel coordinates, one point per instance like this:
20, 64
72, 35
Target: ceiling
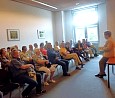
61, 4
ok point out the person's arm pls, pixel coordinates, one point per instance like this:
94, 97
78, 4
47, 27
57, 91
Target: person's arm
108, 46
42, 62
17, 64
27, 66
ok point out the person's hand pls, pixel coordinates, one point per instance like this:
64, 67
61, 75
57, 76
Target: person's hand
47, 61
30, 59
100, 48
32, 66
57, 58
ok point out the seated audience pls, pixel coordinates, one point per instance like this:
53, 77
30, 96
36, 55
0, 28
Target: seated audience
55, 58
79, 50
43, 50
8, 53
25, 57
71, 43
56, 46
92, 47
5, 62
35, 46
30, 52
67, 55
42, 64
87, 49
20, 75
45, 46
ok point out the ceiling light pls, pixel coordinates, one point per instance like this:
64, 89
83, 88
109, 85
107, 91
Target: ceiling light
44, 4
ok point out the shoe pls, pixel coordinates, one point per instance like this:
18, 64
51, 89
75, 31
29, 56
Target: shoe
86, 59
98, 75
91, 57
96, 55
46, 83
77, 68
81, 66
42, 92
52, 81
67, 74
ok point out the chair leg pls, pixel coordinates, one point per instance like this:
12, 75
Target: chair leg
10, 96
113, 69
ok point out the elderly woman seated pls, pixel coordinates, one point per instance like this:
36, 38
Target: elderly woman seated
5, 62
43, 65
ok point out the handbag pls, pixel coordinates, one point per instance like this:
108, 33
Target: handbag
32, 73
48, 65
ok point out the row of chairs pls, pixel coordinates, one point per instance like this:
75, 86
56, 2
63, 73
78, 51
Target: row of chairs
7, 85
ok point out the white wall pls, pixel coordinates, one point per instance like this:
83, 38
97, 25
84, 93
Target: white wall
58, 26
111, 16
102, 23
63, 26
27, 19
68, 26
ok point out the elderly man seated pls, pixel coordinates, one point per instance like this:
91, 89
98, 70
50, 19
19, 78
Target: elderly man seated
20, 75
54, 59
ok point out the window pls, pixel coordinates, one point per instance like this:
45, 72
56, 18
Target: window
92, 33
85, 22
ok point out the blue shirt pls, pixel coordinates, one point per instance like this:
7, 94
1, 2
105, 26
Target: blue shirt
52, 55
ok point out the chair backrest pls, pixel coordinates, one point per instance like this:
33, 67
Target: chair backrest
4, 76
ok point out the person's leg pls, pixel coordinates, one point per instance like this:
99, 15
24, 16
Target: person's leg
39, 88
64, 66
102, 65
90, 53
26, 79
51, 77
47, 73
67, 63
38, 79
94, 48
75, 57
52, 70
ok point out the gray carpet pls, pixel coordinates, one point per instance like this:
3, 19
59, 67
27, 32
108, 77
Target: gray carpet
81, 84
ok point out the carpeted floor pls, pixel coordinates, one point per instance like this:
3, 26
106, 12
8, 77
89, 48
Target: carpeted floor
81, 84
